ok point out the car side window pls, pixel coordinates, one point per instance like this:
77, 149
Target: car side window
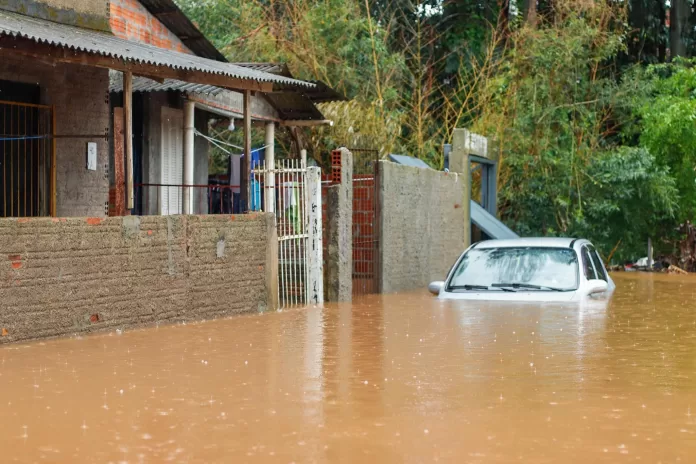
587, 264
599, 267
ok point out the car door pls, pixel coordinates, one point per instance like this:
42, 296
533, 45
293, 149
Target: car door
587, 266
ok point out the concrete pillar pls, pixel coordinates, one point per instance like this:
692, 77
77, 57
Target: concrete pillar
315, 248
303, 157
246, 160
459, 163
189, 144
269, 181
464, 145
340, 234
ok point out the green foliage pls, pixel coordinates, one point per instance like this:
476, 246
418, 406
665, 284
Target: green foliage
554, 108
668, 125
594, 137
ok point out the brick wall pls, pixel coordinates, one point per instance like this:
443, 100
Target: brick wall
420, 223
80, 96
132, 21
78, 275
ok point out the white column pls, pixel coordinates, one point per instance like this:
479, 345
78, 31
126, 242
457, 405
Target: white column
269, 181
189, 143
303, 156
315, 266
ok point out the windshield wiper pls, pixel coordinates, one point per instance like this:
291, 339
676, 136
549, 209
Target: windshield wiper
478, 287
529, 286
469, 287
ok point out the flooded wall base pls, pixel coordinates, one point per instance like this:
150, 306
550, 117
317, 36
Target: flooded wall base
78, 275
421, 225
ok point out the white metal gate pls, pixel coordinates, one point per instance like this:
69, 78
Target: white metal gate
293, 192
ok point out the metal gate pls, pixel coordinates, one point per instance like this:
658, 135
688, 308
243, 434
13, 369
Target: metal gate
365, 268
292, 191
27, 160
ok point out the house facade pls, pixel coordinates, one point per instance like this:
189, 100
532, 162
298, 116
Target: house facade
100, 102
65, 148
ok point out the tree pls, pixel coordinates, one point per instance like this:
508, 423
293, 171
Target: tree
679, 15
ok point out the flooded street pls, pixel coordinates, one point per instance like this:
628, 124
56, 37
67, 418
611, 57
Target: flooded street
399, 378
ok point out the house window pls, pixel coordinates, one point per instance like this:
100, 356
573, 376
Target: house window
26, 152
172, 161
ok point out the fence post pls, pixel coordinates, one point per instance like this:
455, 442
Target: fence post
340, 234
272, 282
315, 267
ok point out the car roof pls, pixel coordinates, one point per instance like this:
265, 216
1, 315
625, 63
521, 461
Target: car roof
546, 242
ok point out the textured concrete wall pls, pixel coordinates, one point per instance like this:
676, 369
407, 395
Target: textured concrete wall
91, 14
78, 275
80, 95
420, 223
339, 206
132, 21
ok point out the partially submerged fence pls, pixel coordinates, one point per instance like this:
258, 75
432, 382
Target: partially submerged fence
292, 191
362, 217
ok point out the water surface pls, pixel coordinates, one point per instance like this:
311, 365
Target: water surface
398, 378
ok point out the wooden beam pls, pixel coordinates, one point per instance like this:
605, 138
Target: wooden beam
128, 134
119, 164
246, 160
54, 167
37, 51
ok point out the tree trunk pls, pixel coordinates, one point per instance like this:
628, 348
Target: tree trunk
529, 11
636, 20
678, 23
662, 46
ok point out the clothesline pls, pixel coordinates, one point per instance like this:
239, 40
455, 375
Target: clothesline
218, 143
24, 137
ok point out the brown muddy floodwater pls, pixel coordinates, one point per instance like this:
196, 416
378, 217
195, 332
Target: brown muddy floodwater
400, 378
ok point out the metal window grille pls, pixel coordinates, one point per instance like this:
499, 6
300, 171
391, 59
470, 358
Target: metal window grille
27, 160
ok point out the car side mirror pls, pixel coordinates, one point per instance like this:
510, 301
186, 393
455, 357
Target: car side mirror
436, 287
596, 286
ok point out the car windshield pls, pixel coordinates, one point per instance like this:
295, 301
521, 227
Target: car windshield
524, 268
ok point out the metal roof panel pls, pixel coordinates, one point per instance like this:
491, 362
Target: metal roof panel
105, 44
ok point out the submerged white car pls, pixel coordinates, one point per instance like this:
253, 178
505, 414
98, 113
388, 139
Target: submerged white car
527, 269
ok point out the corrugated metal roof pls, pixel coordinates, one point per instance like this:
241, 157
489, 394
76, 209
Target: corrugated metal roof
320, 93
143, 84
169, 14
275, 68
489, 224
290, 104
409, 161
104, 44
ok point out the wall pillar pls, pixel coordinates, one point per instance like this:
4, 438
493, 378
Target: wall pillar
315, 265
269, 181
465, 144
340, 234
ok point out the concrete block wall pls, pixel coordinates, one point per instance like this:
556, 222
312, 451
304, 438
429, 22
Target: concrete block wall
132, 21
420, 225
79, 275
80, 95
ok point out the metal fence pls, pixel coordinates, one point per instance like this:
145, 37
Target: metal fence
166, 199
27, 160
287, 190
365, 234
